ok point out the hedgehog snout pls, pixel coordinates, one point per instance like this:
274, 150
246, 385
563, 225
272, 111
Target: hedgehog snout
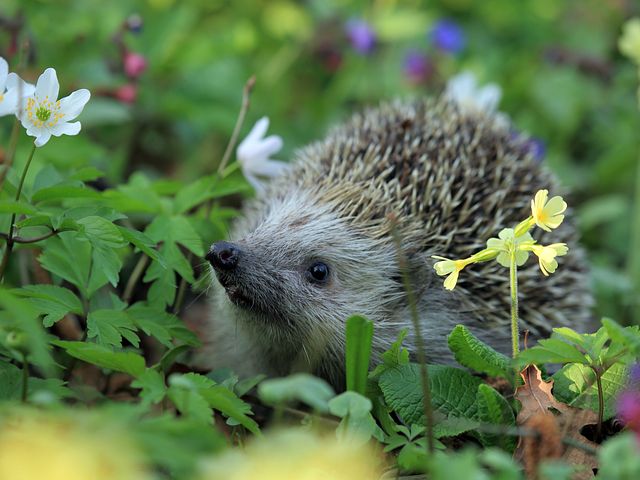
223, 256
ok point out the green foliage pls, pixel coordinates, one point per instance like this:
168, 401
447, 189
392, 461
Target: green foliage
300, 387
358, 340
480, 357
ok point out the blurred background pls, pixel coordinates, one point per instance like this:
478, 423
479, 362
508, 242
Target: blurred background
167, 76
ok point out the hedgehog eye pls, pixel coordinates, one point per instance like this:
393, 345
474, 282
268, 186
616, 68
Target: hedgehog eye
318, 272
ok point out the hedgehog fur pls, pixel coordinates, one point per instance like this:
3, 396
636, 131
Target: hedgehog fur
451, 179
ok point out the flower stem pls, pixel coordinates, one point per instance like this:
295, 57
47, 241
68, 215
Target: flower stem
10, 240
25, 377
598, 374
513, 277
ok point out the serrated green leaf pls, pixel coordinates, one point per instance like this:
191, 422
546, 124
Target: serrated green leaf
629, 336
109, 326
453, 426
358, 352
575, 385
143, 243
301, 387
470, 352
161, 325
126, 362
494, 410
453, 391
52, 301
152, 384
396, 355
101, 230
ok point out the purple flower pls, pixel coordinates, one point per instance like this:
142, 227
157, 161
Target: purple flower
448, 36
417, 66
629, 410
537, 148
134, 23
361, 36
634, 375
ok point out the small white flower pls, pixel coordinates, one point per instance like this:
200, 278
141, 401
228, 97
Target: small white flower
253, 154
464, 90
44, 115
12, 87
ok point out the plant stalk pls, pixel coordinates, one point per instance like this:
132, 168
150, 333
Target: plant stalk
513, 281
137, 272
10, 239
598, 375
25, 378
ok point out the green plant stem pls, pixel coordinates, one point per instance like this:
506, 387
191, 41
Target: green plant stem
137, 272
598, 375
634, 251
422, 357
25, 377
10, 239
13, 143
513, 281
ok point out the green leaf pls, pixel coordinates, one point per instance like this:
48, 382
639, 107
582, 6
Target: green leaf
396, 355
629, 336
453, 391
208, 188
358, 352
52, 301
454, 426
126, 362
142, 242
12, 206
101, 230
63, 192
301, 387
553, 350
109, 326
575, 385
152, 384
162, 325
494, 410
470, 352
357, 424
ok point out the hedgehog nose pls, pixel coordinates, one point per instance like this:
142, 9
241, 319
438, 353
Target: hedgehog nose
223, 256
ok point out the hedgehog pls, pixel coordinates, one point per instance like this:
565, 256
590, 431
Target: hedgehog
318, 246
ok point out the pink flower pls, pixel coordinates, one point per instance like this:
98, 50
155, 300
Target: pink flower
127, 93
134, 64
629, 410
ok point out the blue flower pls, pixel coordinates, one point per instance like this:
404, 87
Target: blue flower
361, 36
447, 36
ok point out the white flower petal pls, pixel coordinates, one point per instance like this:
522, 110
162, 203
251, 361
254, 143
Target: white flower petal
258, 131
488, 97
48, 86
24, 88
9, 103
461, 87
270, 168
65, 128
257, 185
72, 105
4, 72
42, 138
262, 150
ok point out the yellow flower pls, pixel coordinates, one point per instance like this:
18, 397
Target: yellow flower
508, 241
296, 454
451, 268
629, 42
36, 445
547, 256
547, 214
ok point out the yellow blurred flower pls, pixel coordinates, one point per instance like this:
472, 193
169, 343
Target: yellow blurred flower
547, 256
629, 42
296, 454
451, 268
547, 214
35, 445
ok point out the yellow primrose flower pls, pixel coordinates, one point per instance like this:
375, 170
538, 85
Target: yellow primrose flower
547, 256
296, 454
547, 214
508, 241
452, 268
629, 42
35, 445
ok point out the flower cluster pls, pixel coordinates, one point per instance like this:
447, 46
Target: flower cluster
37, 107
515, 244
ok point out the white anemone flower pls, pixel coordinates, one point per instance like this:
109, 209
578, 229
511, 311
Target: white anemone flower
253, 154
465, 91
12, 87
43, 115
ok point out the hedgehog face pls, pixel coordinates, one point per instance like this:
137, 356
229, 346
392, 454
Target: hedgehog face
294, 270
